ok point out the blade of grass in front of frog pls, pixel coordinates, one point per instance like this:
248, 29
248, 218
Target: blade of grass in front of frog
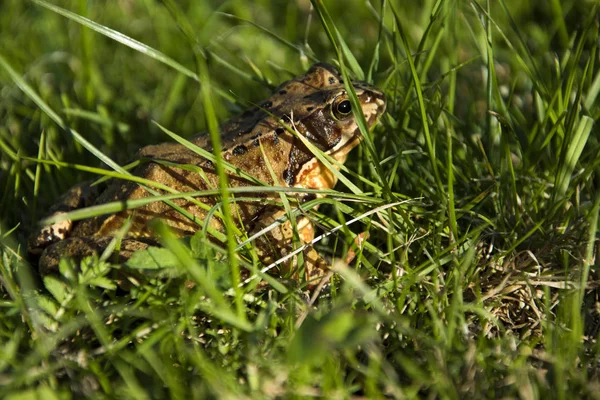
327, 223
342, 53
248, 266
126, 167
146, 183
209, 156
322, 157
215, 136
320, 237
114, 246
107, 173
187, 167
117, 206
286, 205
292, 212
218, 307
339, 166
309, 206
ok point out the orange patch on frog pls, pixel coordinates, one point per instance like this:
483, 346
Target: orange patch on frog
306, 230
315, 175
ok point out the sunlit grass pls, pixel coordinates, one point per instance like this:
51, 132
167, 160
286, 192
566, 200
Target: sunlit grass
470, 211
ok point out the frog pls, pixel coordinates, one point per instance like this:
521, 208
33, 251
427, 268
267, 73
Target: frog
265, 142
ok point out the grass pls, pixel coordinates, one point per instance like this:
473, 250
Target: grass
471, 210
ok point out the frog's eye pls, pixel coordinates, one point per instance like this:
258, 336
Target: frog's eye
342, 110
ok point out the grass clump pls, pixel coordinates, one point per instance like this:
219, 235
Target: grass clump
471, 211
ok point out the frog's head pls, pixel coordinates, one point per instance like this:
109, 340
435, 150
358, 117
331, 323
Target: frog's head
323, 112
318, 107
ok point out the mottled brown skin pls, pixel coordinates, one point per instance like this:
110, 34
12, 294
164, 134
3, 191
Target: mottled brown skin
310, 104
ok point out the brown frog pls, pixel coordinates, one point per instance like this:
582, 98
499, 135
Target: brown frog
315, 105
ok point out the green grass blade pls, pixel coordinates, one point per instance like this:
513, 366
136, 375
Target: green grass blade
571, 157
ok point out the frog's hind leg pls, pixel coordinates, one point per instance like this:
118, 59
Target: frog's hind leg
79, 247
277, 243
78, 196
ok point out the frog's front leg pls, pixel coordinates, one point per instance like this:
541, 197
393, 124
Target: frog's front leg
79, 196
278, 243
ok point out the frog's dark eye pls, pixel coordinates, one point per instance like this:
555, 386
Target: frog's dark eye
342, 109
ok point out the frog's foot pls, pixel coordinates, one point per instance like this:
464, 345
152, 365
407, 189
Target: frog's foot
81, 195
79, 247
316, 268
276, 244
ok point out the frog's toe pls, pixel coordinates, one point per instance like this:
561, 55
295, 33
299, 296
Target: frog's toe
49, 235
75, 247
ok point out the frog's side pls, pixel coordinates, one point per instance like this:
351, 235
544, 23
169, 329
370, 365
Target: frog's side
315, 104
